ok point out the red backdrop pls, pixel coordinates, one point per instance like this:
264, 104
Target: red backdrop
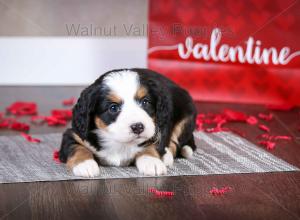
211, 75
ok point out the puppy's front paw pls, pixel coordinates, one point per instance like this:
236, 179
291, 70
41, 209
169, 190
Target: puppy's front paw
87, 168
150, 166
168, 158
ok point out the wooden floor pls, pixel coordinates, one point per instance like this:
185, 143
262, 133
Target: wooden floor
267, 196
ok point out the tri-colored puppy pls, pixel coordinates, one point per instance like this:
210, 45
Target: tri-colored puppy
129, 116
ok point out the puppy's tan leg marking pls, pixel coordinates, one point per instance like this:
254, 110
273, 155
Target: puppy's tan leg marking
78, 139
150, 151
82, 162
177, 131
79, 155
171, 150
148, 162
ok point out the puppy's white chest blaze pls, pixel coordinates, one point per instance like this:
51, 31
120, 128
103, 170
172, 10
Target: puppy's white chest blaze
118, 155
114, 153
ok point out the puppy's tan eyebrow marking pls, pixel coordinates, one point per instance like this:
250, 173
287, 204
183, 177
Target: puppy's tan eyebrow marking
141, 93
114, 98
100, 123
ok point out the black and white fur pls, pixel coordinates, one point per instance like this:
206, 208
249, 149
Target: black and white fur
129, 116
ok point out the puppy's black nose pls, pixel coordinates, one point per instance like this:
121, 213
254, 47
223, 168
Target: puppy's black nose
137, 128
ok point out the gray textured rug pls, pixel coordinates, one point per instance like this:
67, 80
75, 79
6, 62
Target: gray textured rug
217, 153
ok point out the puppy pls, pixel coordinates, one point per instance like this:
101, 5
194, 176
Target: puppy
129, 116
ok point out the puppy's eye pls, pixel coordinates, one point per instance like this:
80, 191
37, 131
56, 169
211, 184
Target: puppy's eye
145, 102
114, 108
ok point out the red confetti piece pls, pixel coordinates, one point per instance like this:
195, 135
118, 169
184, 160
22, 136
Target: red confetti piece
283, 107
219, 192
68, 102
268, 144
251, 120
216, 129
264, 128
266, 117
56, 156
232, 115
5, 123
227, 116
276, 137
57, 117
19, 126
199, 126
161, 193
62, 114
220, 120
282, 137
11, 123
53, 121
199, 122
37, 119
269, 141
23, 108
30, 138
265, 136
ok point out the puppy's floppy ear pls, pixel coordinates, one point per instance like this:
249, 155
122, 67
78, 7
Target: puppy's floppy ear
163, 114
84, 109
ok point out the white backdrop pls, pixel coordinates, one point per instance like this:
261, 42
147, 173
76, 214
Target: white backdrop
66, 60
